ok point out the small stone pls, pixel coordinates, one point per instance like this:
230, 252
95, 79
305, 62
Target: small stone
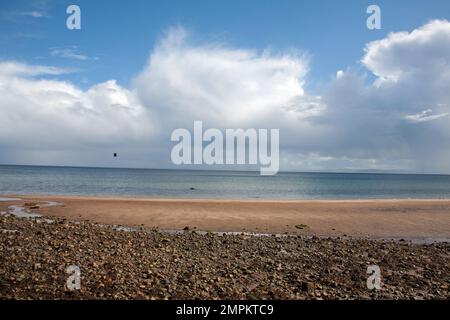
307, 286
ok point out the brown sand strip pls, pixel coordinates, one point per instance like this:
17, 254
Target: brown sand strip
378, 218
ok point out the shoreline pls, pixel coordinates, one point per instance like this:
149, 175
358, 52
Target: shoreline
122, 261
190, 199
379, 218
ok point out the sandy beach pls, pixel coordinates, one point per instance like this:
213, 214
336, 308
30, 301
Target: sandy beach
149, 262
373, 218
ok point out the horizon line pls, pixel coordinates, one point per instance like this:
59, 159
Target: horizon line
337, 171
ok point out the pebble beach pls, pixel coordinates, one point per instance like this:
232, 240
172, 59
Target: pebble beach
148, 264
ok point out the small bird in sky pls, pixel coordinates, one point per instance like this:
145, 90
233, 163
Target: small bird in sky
115, 155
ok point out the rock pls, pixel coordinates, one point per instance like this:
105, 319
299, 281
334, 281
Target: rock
307, 286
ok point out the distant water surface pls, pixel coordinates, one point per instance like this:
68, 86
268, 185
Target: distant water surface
218, 184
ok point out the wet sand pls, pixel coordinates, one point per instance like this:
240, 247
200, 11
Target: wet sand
123, 263
373, 218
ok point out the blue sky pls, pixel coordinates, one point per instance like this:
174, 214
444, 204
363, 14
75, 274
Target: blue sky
120, 34
343, 97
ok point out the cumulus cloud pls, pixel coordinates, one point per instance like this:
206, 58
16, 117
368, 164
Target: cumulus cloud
381, 120
400, 54
398, 122
222, 86
43, 115
225, 87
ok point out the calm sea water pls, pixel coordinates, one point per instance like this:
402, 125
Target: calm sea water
218, 184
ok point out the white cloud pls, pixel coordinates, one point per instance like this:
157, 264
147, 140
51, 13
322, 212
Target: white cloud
14, 68
70, 53
34, 14
351, 125
424, 116
220, 85
223, 86
403, 53
378, 121
44, 116
17, 16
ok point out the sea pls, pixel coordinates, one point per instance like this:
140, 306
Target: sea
208, 184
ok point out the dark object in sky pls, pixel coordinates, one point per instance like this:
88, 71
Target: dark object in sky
115, 155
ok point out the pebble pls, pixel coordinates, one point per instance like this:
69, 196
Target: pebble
151, 264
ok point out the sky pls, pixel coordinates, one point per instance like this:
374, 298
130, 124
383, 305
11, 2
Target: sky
344, 97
